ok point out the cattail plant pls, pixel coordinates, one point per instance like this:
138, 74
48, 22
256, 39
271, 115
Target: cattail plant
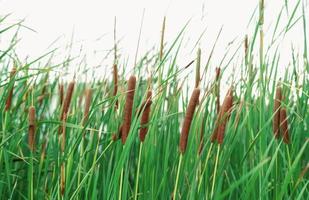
31, 129
67, 100
145, 116
61, 93
128, 109
280, 119
63, 117
277, 104
10, 95
223, 117
188, 120
284, 126
88, 97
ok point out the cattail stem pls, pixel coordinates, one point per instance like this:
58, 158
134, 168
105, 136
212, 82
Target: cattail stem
138, 170
128, 109
188, 120
205, 167
115, 79
215, 173
177, 177
120, 185
31, 132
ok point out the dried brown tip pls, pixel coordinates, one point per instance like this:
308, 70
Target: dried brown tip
87, 104
284, 125
128, 108
188, 120
31, 130
115, 78
61, 94
8, 102
277, 104
145, 116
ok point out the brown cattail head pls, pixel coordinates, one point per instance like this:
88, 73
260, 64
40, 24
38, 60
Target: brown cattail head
87, 104
277, 104
31, 131
223, 117
188, 120
8, 102
128, 109
67, 100
61, 94
284, 125
145, 116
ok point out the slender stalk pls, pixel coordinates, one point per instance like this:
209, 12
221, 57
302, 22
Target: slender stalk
177, 177
215, 173
138, 169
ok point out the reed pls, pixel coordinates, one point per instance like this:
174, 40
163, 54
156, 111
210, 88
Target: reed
128, 108
188, 120
31, 128
145, 116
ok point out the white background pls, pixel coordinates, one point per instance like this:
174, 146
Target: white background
92, 23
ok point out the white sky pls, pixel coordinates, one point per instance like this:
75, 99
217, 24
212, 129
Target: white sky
95, 18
